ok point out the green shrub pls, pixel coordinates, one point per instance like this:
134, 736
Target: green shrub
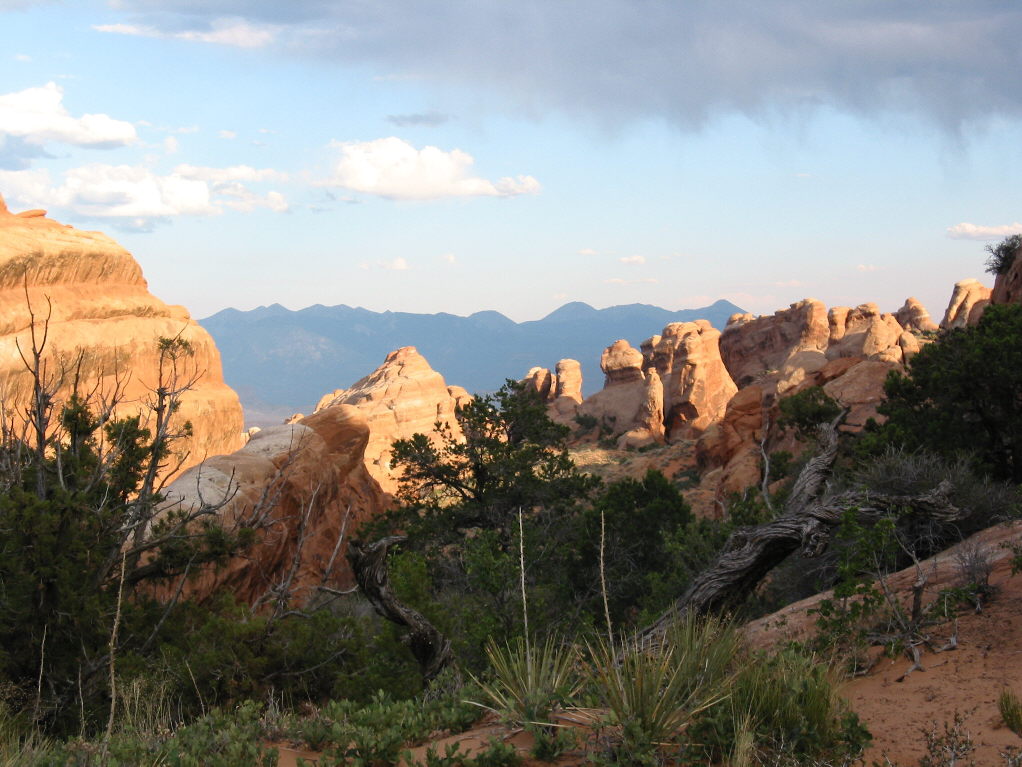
1003, 254
805, 411
1011, 711
529, 682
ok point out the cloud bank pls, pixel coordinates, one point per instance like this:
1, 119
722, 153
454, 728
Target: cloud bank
967, 231
684, 62
394, 169
37, 116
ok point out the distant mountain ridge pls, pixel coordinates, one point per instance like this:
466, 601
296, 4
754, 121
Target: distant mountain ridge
281, 361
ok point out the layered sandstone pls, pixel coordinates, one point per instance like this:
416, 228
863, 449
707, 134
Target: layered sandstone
1008, 285
968, 300
864, 331
561, 390
402, 397
914, 316
104, 326
696, 385
751, 345
304, 488
630, 405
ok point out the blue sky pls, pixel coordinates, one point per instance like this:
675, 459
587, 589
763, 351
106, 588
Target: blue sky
460, 156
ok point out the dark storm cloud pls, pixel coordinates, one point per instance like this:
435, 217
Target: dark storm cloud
950, 62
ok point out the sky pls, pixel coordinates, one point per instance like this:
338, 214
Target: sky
467, 155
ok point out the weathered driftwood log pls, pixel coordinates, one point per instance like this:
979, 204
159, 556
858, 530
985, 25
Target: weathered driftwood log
806, 524
431, 649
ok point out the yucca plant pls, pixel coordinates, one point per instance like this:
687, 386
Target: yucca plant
1011, 711
529, 682
655, 693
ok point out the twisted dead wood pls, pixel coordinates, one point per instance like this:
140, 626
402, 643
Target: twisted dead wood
807, 524
431, 649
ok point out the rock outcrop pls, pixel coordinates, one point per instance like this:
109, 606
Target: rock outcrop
751, 345
696, 385
402, 397
913, 316
969, 299
864, 332
630, 405
304, 487
104, 324
1008, 284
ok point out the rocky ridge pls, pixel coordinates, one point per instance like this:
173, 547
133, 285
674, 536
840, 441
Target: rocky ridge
105, 325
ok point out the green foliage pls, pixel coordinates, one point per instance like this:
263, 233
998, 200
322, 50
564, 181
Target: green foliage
460, 501
641, 518
962, 394
1003, 254
805, 411
654, 693
843, 620
1011, 710
530, 681
549, 742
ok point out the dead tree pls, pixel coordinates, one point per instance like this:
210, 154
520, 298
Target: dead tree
809, 519
369, 562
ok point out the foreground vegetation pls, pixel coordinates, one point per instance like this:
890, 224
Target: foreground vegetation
106, 660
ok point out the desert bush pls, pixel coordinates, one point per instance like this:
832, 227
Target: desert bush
655, 693
530, 681
1003, 254
1011, 711
805, 411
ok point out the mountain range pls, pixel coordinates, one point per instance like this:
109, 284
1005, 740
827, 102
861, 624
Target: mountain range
282, 361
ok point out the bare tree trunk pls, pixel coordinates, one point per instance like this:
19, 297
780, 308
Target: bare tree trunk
369, 562
807, 524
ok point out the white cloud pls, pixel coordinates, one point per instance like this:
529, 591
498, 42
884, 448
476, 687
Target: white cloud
868, 268
112, 191
397, 265
232, 173
134, 195
240, 198
22, 57
222, 31
227, 134
171, 145
789, 284
38, 115
967, 231
587, 252
633, 260
449, 258
393, 168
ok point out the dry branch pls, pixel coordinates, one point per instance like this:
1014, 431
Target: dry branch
369, 562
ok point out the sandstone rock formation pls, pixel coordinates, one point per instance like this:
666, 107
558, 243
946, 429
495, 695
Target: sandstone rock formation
969, 299
402, 397
303, 486
630, 405
864, 332
105, 323
697, 386
913, 316
1008, 285
749, 346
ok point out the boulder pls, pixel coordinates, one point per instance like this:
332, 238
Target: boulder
696, 385
1008, 285
864, 332
105, 327
304, 487
750, 347
913, 316
968, 300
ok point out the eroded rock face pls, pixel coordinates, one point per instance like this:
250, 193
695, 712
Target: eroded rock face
864, 332
969, 299
696, 385
402, 397
1008, 286
913, 316
627, 405
749, 346
103, 315
311, 470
